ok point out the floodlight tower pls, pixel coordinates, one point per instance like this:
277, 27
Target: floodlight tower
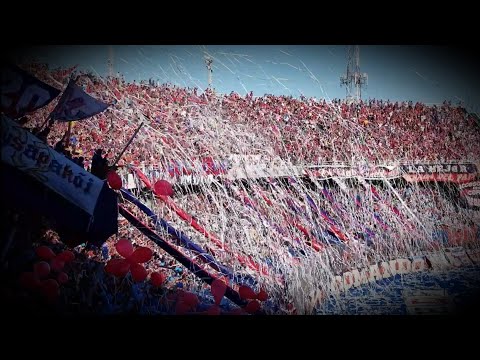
209, 62
110, 61
353, 79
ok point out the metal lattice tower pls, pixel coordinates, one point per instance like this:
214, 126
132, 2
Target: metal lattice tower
353, 79
208, 62
110, 62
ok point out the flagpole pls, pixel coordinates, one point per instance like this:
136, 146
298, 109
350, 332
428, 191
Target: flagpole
67, 143
43, 124
128, 144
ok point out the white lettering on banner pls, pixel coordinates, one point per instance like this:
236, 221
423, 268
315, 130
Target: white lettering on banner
384, 270
471, 191
375, 172
457, 173
28, 154
233, 171
465, 168
474, 202
474, 184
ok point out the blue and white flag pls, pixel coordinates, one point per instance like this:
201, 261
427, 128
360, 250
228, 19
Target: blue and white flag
75, 104
22, 93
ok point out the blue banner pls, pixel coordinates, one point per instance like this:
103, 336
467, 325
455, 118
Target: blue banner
75, 104
21, 92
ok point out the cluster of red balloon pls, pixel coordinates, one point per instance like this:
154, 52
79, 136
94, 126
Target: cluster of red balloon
132, 261
163, 187
247, 293
114, 180
49, 265
218, 288
157, 278
186, 302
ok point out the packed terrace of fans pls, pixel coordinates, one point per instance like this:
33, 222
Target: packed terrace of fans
183, 125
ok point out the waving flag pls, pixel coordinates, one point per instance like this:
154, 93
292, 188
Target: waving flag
327, 217
75, 104
380, 221
358, 200
375, 192
328, 195
311, 203
21, 92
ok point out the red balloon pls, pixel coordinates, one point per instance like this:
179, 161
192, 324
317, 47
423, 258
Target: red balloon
262, 295
44, 253
172, 296
138, 272
163, 187
124, 247
66, 256
29, 280
252, 307
57, 264
190, 299
41, 269
181, 308
62, 278
213, 310
141, 255
114, 180
246, 293
157, 279
218, 289
50, 289
117, 267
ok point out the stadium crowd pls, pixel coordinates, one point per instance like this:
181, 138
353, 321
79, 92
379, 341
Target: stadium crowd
183, 126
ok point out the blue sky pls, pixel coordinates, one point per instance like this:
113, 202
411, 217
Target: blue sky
396, 72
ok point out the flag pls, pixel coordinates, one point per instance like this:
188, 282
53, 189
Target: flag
327, 217
327, 194
375, 192
358, 200
380, 221
312, 203
75, 104
21, 92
